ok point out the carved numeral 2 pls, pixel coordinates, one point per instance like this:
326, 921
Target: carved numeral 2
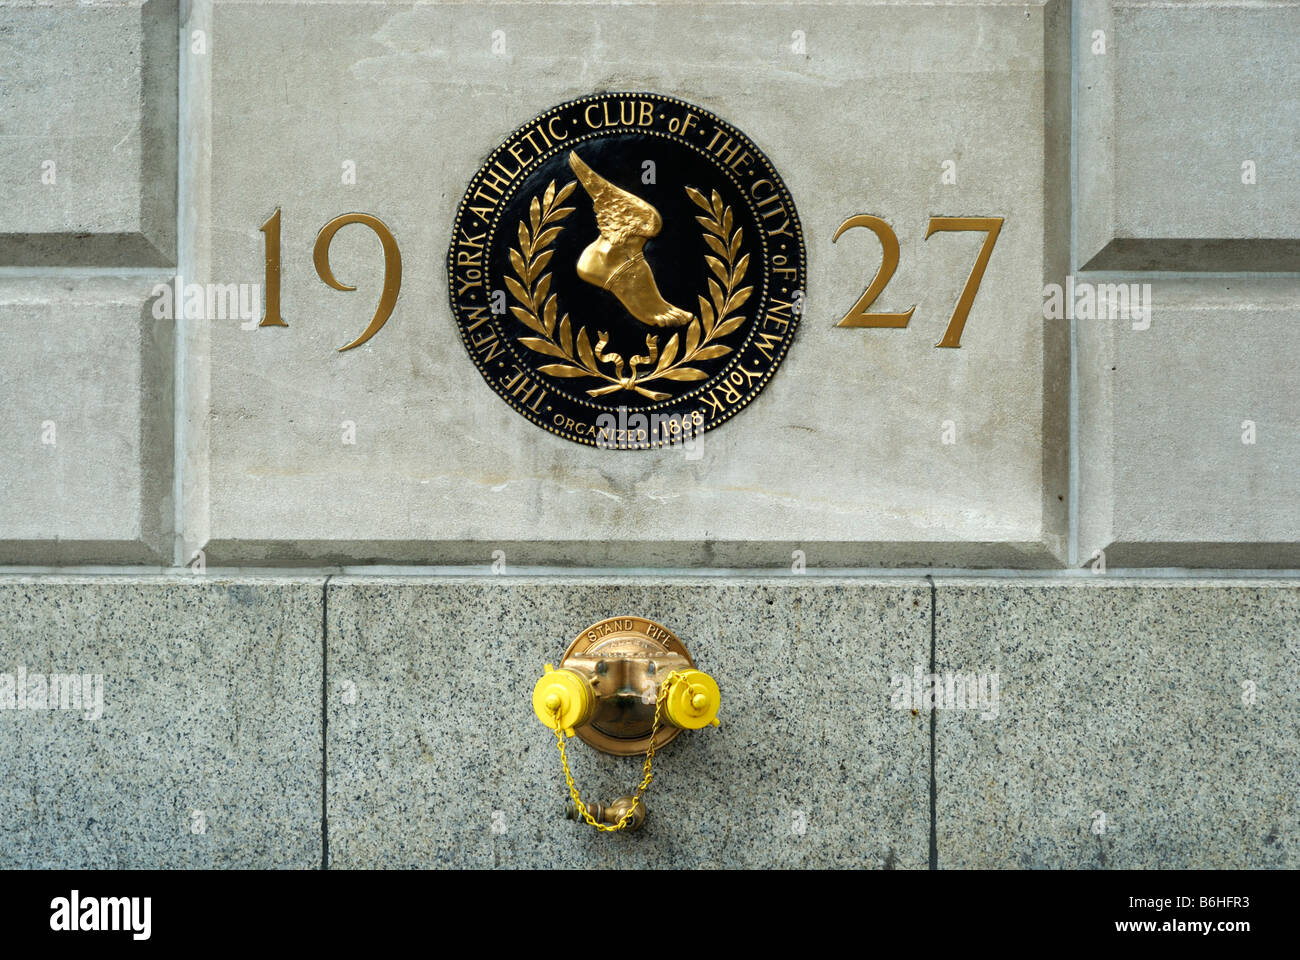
858, 316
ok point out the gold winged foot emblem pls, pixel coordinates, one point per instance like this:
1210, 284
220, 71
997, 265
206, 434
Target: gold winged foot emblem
615, 261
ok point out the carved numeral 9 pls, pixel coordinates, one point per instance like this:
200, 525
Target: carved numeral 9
858, 315
392, 268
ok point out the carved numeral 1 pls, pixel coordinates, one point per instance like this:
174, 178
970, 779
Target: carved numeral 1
271, 317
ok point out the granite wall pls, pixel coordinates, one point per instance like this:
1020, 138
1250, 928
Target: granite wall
386, 722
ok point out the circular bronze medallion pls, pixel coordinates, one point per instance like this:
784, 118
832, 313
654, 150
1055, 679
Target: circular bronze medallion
627, 270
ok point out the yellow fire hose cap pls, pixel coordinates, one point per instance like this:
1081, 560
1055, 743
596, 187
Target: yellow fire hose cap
693, 701
566, 691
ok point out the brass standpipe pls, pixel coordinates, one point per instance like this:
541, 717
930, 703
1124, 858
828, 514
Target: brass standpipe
625, 686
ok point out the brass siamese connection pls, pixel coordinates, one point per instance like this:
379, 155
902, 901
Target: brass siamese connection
626, 686
610, 702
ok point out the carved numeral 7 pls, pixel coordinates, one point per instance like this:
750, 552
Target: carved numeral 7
992, 226
858, 316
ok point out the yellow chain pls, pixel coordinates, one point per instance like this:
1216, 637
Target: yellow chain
645, 781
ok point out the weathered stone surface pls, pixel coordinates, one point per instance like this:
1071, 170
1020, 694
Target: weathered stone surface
207, 750
86, 389
1183, 96
1188, 448
88, 133
1130, 700
436, 759
844, 453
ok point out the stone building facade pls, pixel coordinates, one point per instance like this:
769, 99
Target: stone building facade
317, 585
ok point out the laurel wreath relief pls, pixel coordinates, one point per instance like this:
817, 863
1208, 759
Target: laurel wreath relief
538, 308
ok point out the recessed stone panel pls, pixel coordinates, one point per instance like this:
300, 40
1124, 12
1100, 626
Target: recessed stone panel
1186, 136
869, 446
86, 387
88, 133
1189, 451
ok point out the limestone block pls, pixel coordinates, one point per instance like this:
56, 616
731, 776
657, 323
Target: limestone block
1188, 447
88, 119
86, 389
867, 447
1186, 136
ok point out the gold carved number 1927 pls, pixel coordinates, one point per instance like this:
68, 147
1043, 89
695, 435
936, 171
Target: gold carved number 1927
858, 315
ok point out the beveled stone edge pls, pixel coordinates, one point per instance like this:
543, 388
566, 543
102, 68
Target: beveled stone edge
1197, 254
635, 555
